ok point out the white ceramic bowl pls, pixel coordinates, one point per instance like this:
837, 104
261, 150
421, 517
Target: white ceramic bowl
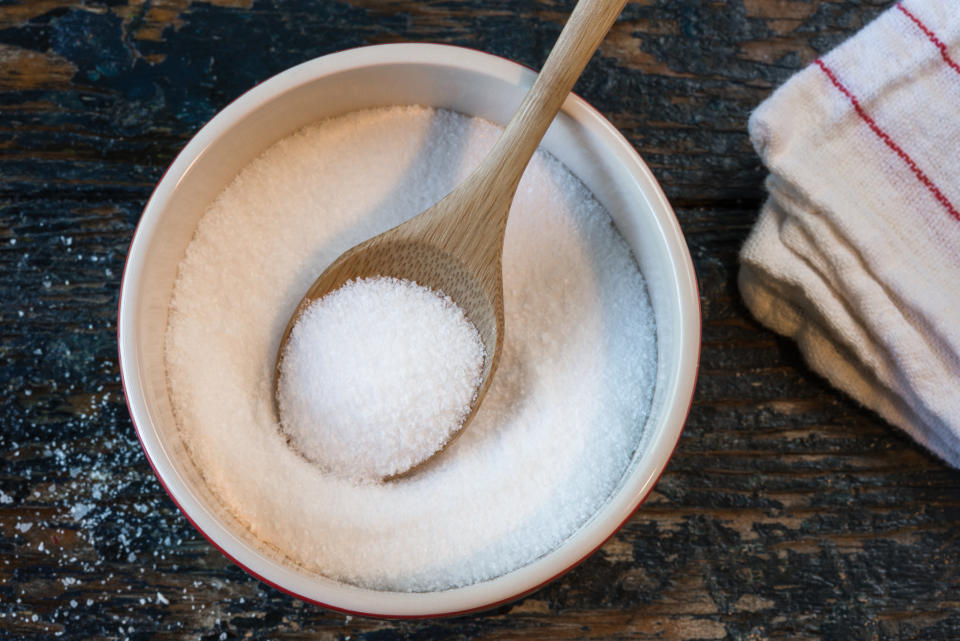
463, 80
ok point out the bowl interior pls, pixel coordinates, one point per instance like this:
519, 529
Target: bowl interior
462, 80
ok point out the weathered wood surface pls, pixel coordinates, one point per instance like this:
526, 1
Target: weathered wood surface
787, 512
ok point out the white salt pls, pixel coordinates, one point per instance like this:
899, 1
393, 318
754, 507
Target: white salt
557, 429
377, 376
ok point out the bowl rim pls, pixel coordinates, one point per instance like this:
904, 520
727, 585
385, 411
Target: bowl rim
486, 594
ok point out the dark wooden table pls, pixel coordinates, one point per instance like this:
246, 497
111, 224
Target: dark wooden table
787, 512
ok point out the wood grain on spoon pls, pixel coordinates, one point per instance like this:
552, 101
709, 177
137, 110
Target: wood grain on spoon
456, 246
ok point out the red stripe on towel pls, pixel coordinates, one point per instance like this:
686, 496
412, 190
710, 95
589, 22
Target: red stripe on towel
885, 137
932, 37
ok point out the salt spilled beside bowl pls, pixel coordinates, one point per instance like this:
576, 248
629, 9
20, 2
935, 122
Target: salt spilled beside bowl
463, 80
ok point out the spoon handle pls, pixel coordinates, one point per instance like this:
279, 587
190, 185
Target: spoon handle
470, 222
585, 29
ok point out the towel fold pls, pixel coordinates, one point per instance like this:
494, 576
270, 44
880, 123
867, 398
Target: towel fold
856, 254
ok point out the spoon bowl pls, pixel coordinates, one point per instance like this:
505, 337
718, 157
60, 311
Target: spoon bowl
456, 246
404, 254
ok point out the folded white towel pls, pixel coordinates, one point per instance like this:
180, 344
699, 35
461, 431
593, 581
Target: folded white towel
856, 254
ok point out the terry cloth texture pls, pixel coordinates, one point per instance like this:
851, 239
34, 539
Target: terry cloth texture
856, 254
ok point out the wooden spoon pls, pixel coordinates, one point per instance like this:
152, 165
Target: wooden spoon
456, 246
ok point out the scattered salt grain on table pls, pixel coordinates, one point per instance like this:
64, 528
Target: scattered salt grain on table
377, 376
557, 429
